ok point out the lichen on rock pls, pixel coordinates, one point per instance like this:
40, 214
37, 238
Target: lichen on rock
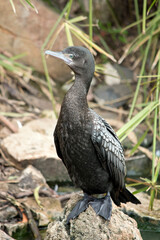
90, 226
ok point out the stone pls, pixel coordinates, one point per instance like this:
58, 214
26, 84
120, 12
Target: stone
44, 126
34, 145
135, 166
115, 74
111, 95
51, 209
90, 226
112, 77
7, 214
13, 228
117, 88
4, 236
147, 220
102, 12
57, 231
26, 31
31, 178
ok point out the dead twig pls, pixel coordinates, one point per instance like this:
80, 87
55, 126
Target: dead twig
8, 124
28, 193
11, 103
65, 197
118, 100
32, 223
11, 160
134, 157
111, 109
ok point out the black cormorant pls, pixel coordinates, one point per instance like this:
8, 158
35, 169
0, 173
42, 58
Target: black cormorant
87, 144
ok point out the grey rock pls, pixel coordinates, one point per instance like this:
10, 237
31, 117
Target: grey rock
118, 81
102, 12
138, 165
4, 236
31, 178
90, 226
11, 228
109, 95
34, 145
115, 74
26, 32
147, 220
157, 149
7, 213
57, 231
112, 76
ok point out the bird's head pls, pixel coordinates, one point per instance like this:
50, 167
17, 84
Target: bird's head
79, 59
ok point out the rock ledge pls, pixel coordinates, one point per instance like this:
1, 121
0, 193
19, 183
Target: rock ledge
90, 226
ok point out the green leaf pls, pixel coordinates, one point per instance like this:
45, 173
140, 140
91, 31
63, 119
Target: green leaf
69, 36
140, 190
147, 180
136, 120
13, 7
150, 7
77, 19
36, 196
134, 184
144, 16
139, 142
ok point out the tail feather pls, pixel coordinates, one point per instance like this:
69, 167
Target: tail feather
123, 196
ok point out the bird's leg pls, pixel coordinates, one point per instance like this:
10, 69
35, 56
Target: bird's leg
81, 206
102, 206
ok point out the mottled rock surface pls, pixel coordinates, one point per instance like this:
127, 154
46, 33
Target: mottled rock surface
90, 226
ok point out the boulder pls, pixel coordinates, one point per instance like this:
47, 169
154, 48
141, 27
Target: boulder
116, 74
147, 220
4, 236
26, 31
117, 89
90, 226
34, 145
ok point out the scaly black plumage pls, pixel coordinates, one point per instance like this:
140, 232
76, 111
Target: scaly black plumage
87, 144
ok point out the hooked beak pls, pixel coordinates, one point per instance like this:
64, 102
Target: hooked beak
60, 55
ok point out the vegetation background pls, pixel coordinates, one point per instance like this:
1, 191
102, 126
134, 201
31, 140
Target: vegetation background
131, 37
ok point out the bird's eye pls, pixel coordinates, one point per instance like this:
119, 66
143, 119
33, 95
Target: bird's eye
71, 55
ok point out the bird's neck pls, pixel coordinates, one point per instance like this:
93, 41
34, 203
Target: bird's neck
80, 87
77, 94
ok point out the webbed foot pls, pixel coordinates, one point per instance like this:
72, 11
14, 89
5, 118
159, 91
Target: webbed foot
102, 207
81, 206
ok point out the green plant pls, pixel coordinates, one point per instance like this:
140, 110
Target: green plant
147, 42
64, 22
10, 63
147, 37
23, 2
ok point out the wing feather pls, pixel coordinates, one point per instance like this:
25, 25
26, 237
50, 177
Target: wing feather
56, 142
109, 149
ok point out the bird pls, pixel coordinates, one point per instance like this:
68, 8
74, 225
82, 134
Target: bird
87, 144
